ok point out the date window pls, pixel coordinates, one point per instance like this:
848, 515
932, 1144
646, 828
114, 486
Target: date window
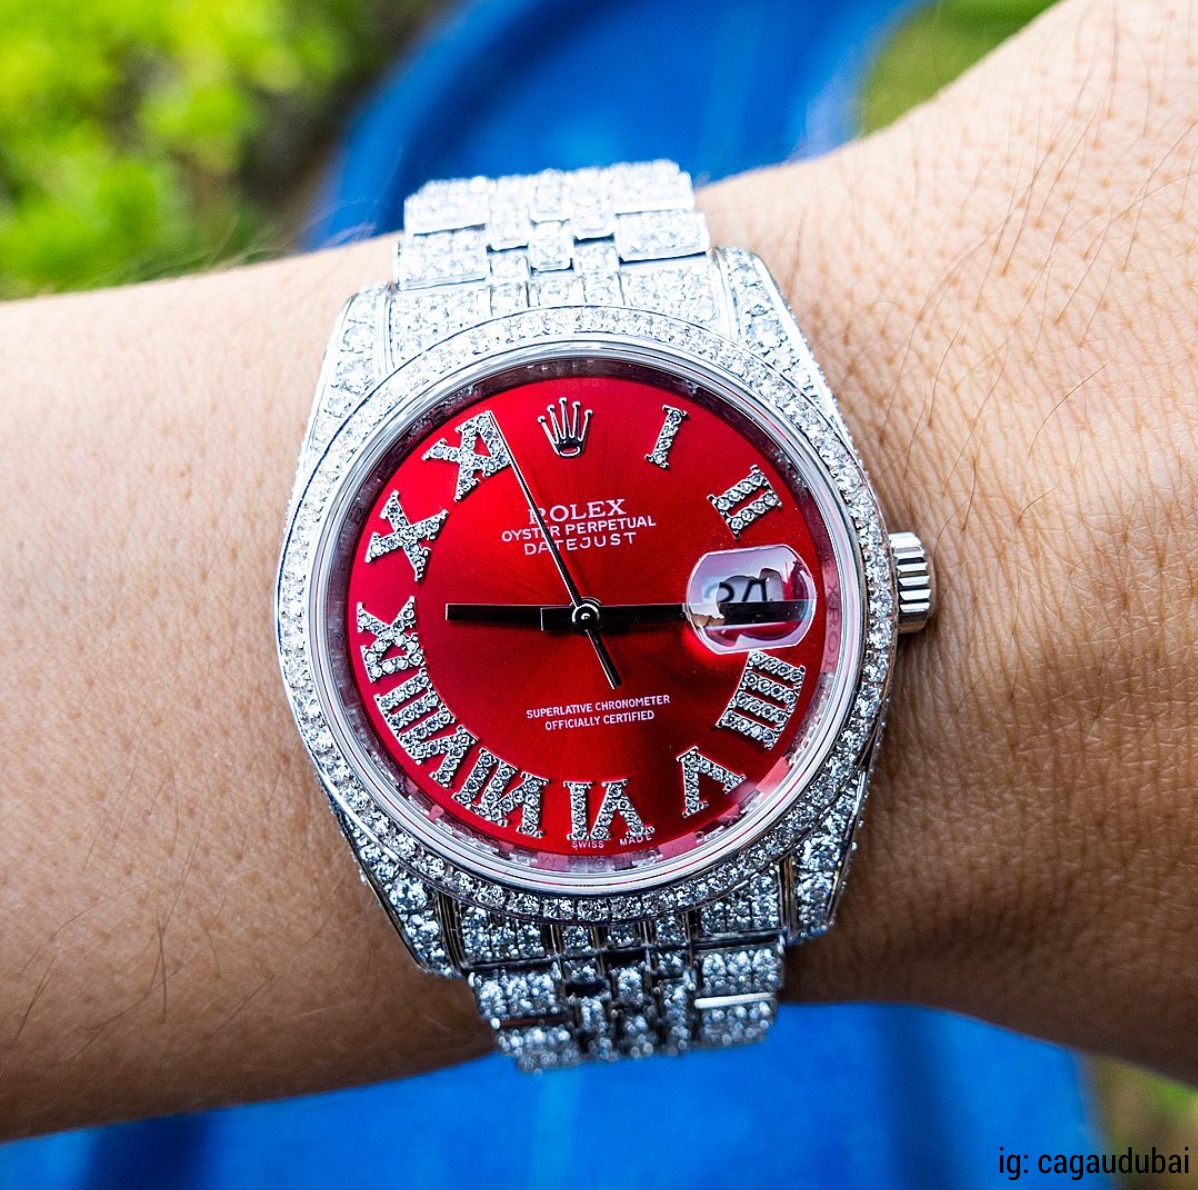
758, 598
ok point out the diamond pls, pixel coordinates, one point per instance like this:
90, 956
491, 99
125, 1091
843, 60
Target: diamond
735, 1025
636, 1036
539, 1048
671, 930
441, 258
577, 940
649, 185
556, 289
660, 235
548, 201
629, 987
670, 964
598, 257
353, 373
443, 205
420, 319
592, 1015
685, 291
624, 936
582, 972
508, 298
509, 267
550, 247
408, 895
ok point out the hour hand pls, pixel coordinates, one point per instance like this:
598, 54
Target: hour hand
525, 614
588, 616
564, 617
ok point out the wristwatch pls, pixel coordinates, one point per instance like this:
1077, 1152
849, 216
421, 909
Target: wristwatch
586, 612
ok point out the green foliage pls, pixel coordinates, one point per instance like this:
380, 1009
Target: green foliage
145, 137
134, 132
933, 47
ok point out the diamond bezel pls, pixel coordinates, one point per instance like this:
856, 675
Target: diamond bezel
793, 400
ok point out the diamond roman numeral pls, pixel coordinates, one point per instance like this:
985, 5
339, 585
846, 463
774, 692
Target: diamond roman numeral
746, 501
425, 728
413, 710
415, 714
659, 456
765, 698
405, 535
695, 765
473, 467
489, 792
615, 801
399, 635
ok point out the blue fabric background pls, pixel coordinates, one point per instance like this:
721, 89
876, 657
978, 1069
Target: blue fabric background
849, 1097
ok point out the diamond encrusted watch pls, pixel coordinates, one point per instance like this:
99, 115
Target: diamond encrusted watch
586, 612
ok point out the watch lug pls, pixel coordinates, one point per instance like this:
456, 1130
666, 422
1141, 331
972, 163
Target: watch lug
814, 875
356, 359
763, 321
415, 909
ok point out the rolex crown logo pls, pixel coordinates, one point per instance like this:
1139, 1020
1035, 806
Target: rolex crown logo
566, 429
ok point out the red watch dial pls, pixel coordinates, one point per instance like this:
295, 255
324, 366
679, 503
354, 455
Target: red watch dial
635, 686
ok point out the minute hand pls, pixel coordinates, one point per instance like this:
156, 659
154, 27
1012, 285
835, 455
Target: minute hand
576, 600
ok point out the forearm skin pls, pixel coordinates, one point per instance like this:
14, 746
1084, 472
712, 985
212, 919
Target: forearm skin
1002, 288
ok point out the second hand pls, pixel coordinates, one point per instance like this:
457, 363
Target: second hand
576, 601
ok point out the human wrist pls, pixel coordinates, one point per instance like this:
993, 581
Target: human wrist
1000, 304
861, 307
202, 936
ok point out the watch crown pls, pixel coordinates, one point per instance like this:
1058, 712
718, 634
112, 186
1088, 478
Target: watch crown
916, 583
